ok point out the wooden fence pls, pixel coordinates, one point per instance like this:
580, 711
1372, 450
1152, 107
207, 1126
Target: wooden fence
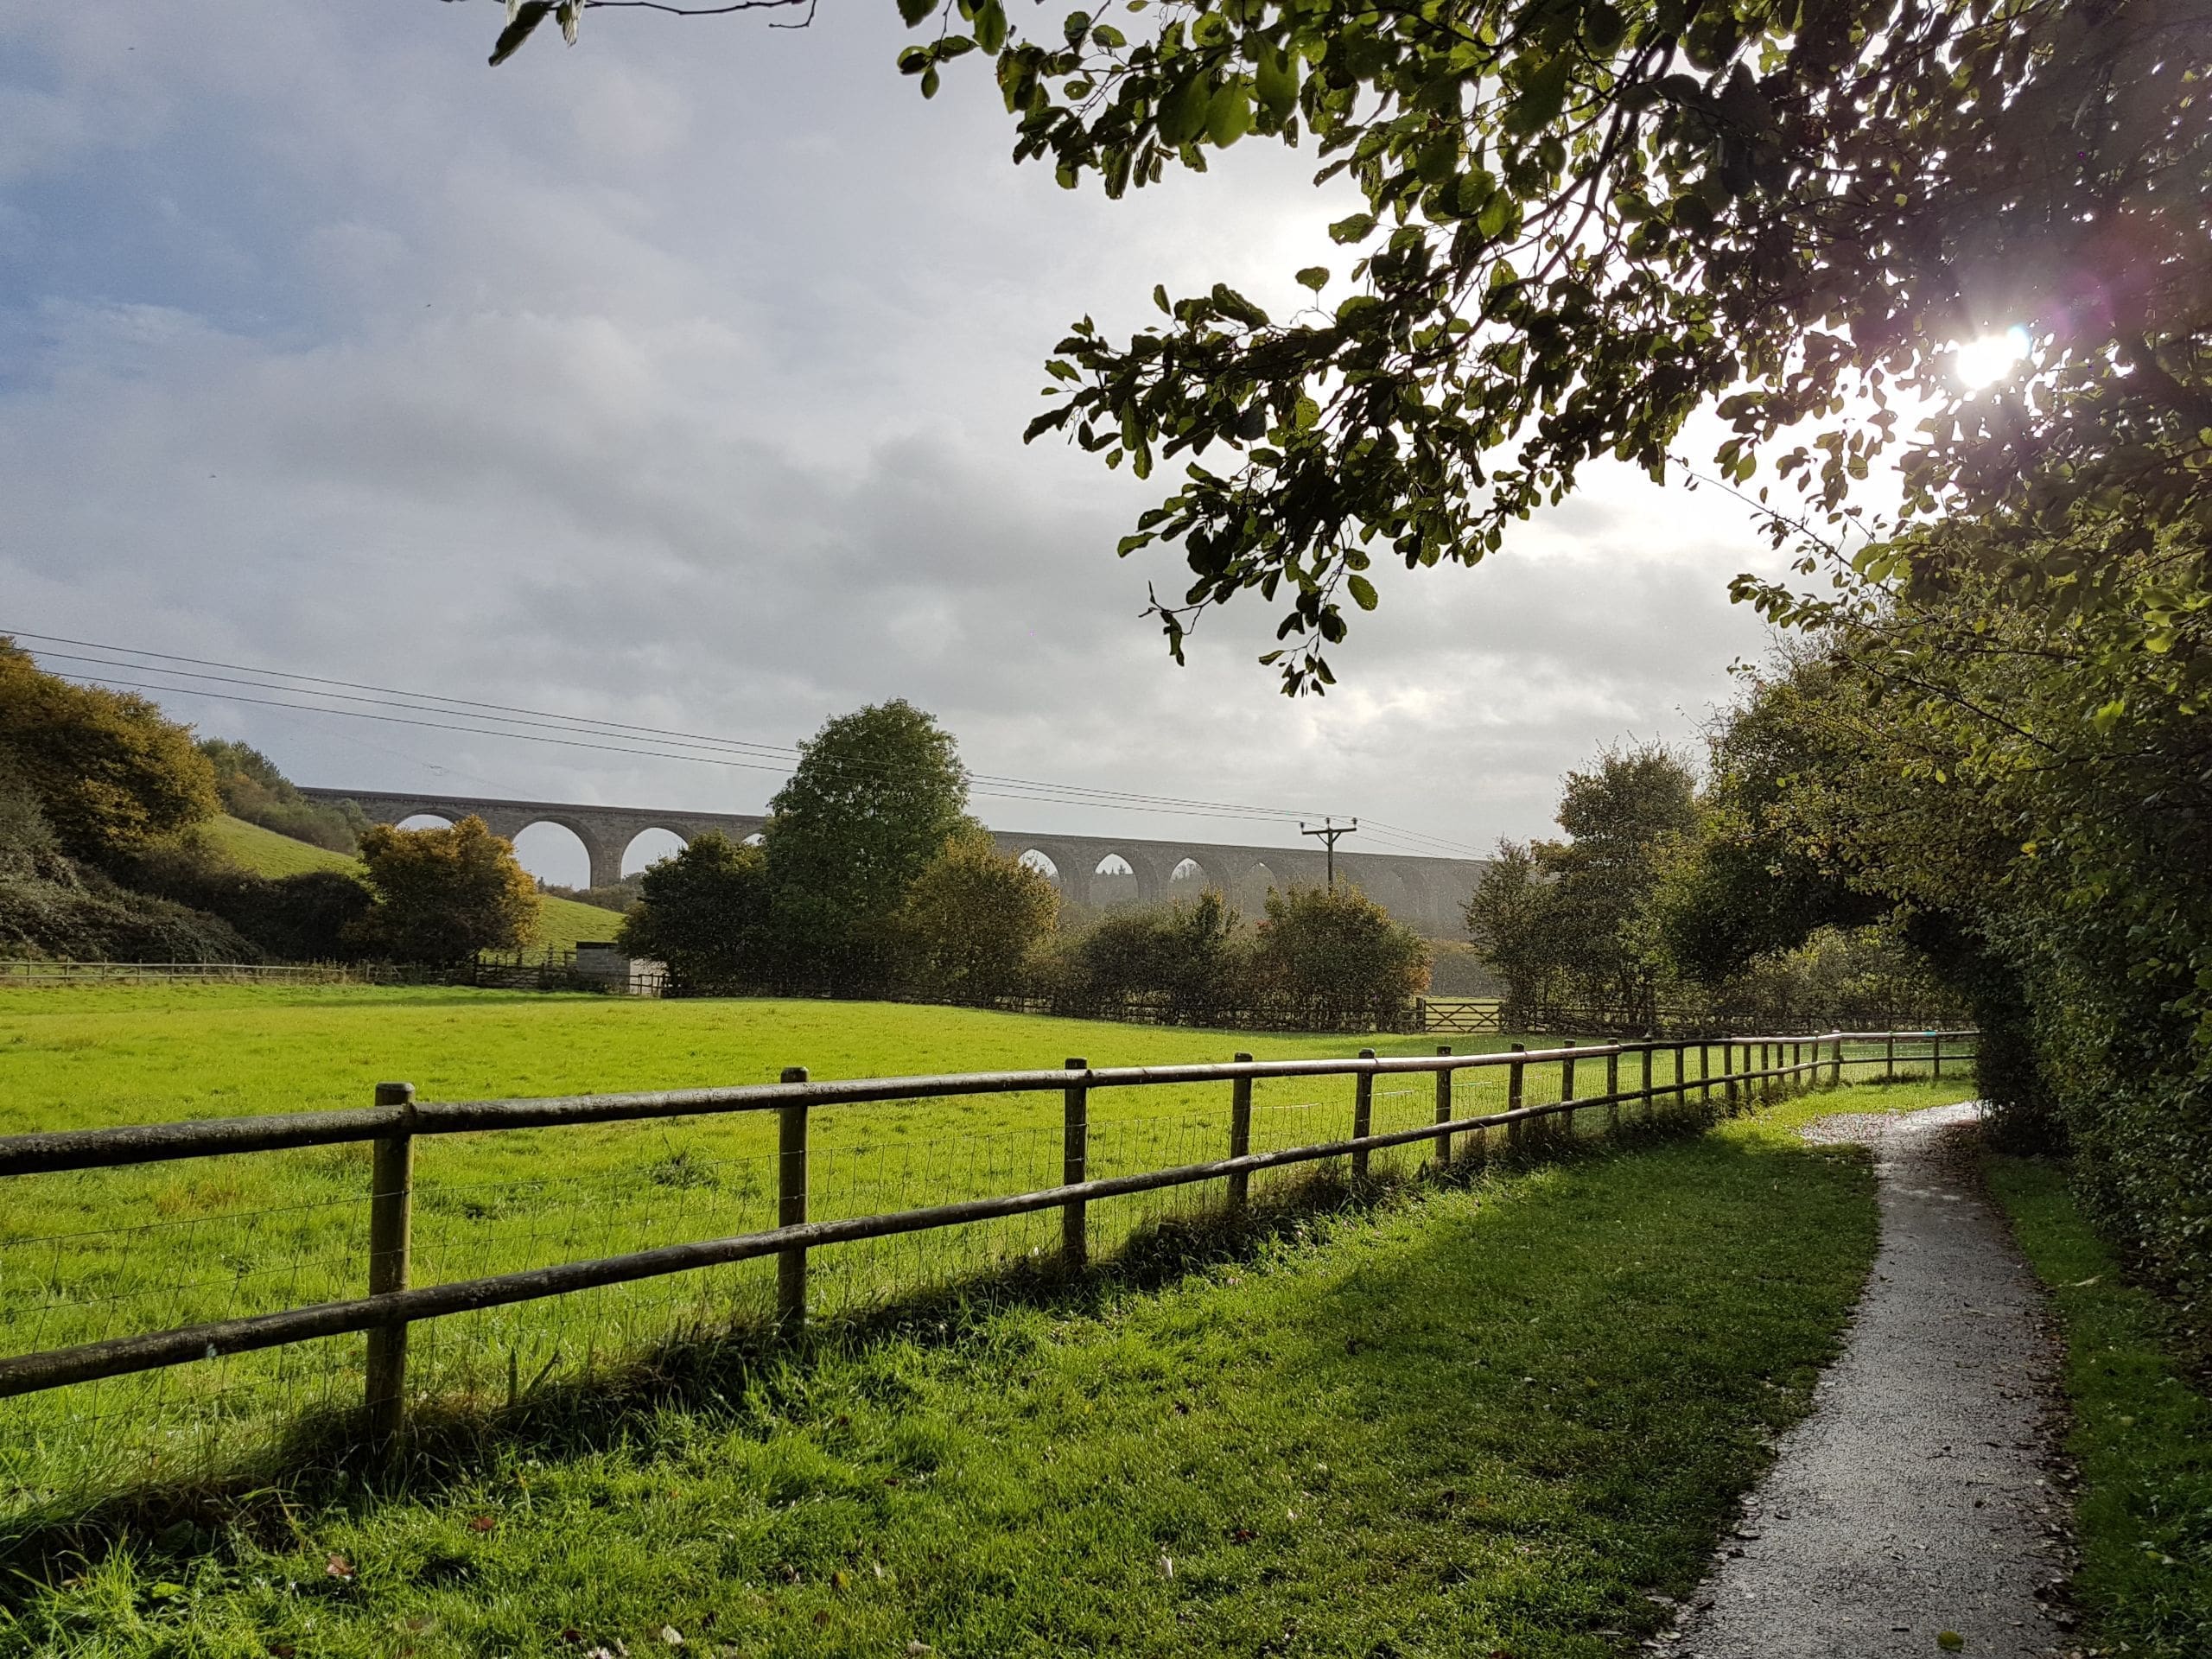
396, 1119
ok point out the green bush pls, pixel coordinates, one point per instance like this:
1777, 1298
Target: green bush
253, 788
1335, 959
111, 773
973, 921
704, 912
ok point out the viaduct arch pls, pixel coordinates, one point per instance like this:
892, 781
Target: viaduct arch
1427, 894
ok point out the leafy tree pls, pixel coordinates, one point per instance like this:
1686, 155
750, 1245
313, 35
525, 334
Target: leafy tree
1509, 919
703, 912
1575, 919
442, 894
1621, 820
109, 772
974, 919
1338, 958
1582, 221
874, 798
1187, 955
253, 788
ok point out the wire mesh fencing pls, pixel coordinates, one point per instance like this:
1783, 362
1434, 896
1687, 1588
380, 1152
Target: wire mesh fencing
544, 1242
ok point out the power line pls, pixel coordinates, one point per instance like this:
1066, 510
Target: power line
392, 705
665, 743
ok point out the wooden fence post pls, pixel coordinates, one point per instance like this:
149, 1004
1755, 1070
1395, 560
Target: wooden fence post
791, 1207
1362, 1114
1443, 1108
1937, 1056
1240, 1134
1704, 1072
1835, 1070
1566, 1081
1891, 1038
1075, 1164
1646, 1082
1612, 1091
391, 1201
1514, 1084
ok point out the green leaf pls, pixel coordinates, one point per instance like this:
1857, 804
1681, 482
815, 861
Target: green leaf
1354, 229
1229, 116
913, 11
1305, 414
1362, 592
1276, 81
1543, 93
1315, 278
991, 26
1950, 1641
929, 81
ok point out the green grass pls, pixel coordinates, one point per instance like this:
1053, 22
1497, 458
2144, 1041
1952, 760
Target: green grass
562, 922
90, 1255
2141, 1435
1476, 1419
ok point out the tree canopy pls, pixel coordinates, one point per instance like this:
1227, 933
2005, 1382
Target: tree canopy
1582, 221
874, 798
112, 774
703, 912
442, 894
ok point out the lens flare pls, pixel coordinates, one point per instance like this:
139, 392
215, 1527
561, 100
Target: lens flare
1984, 362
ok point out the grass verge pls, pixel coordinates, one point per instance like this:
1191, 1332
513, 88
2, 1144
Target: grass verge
1484, 1417
2141, 1436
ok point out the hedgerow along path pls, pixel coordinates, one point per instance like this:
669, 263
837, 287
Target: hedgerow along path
308, 1250
1480, 1418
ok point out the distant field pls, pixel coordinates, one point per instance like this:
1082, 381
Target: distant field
562, 922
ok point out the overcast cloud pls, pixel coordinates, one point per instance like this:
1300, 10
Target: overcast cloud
678, 378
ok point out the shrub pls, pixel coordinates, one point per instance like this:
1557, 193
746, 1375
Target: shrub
444, 894
253, 788
1185, 958
1338, 958
109, 772
704, 912
973, 919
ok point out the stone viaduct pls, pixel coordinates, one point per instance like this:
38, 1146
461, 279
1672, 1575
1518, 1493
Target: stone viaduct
1427, 894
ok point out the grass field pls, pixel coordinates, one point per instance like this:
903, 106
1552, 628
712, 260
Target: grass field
85, 1256
2141, 1435
1489, 1417
562, 922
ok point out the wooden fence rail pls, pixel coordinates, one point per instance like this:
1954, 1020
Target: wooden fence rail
396, 1119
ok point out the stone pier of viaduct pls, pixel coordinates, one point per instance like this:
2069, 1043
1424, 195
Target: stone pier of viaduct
1428, 894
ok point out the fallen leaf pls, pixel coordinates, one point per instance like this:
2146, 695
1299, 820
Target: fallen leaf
671, 1635
481, 1523
1167, 1566
337, 1567
1950, 1641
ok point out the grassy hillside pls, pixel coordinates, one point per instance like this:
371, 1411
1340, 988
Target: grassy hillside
561, 922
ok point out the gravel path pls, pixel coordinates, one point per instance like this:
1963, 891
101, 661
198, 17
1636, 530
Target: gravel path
1913, 1507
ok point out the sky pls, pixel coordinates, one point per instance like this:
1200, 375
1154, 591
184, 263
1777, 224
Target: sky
677, 378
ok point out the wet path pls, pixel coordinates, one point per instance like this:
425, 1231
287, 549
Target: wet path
1913, 1502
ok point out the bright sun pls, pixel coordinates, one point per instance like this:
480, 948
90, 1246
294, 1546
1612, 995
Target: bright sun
1984, 362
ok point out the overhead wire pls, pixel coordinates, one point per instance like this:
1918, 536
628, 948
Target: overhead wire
391, 705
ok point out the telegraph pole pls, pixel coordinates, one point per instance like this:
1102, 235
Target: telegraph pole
1328, 832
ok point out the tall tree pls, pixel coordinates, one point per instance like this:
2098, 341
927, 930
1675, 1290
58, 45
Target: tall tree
1582, 221
875, 796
